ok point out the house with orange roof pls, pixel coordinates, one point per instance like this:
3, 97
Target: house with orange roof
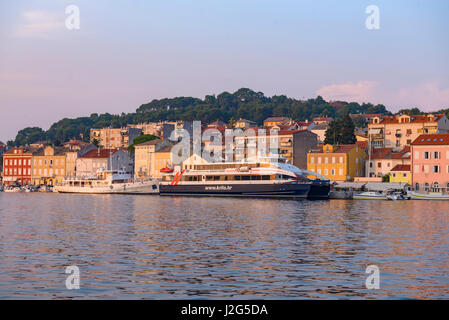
401, 130
338, 163
381, 161
401, 173
430, 163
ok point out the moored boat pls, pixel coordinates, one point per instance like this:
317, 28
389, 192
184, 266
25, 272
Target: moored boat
266, 177
414, 195
108, 182
13, 189
370, 195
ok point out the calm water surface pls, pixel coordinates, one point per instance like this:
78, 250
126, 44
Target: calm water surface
134, 247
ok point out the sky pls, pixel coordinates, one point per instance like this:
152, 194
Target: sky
127, 53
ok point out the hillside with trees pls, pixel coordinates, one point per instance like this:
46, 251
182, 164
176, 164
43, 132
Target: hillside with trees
244, 103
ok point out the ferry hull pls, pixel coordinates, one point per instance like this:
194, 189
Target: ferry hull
293, 190
319, 190
125, 188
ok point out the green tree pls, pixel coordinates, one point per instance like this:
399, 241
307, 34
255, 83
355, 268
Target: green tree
141, 139
347, 131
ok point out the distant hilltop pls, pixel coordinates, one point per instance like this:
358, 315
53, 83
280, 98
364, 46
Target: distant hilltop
244, 103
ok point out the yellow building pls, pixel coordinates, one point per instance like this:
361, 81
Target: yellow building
338, 163
401, 173
112, 138
147, 159
162, 159
48, 166
275, 121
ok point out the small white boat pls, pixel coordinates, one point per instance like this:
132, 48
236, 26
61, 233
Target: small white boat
13, 189
428, 195
370, 195
397, 196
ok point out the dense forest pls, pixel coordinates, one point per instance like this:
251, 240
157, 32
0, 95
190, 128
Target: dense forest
244, 103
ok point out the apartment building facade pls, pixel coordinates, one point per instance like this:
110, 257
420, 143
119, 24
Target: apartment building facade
430, 163
338, 163
114, 137
17, 166
401, 130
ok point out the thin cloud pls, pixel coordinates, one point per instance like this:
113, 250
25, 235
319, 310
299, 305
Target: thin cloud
361, 91
39, 24
428, 96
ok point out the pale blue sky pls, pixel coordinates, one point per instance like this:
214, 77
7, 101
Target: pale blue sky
130, 52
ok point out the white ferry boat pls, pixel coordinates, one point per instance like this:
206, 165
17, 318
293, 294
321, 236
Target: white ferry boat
107, 182
262, 178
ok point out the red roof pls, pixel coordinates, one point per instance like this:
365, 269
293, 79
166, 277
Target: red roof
413, 119
401, 167
362, 144
76, 143
431, 139
99, 153
388, 153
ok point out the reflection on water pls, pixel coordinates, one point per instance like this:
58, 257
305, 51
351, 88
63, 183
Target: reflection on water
134, 247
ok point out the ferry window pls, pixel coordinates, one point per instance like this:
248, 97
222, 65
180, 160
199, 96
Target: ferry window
216, 178
265, 177
238, 178
246, 177
256, 177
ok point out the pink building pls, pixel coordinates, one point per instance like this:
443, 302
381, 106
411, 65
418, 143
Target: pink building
430, 162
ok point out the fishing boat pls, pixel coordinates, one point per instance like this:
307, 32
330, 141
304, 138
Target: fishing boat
108, 182
266, 177
431, 195
370, 195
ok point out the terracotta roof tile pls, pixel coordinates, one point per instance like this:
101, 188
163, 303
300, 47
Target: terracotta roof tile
401, 167
431, 139
99, 153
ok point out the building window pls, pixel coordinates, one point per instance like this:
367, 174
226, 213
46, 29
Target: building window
416, 155
394, 175
436, 169
426, 155
326, 160
340, 172
426, 187
319, 159
341, 159
333, 172
333, 159
326, 172
436, 155
312, 160
417, 186
404, 175
379, 164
